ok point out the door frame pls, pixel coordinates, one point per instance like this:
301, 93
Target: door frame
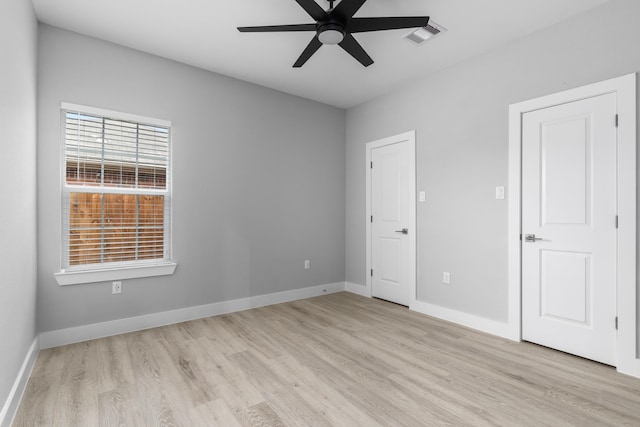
625, 89
410, 139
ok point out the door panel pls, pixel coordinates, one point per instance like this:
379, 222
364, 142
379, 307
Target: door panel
565, 190
389, 164
569, 204
566, 286
390, 250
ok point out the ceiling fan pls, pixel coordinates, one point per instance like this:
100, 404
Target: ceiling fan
336, 26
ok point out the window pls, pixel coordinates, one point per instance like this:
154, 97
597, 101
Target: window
116, 195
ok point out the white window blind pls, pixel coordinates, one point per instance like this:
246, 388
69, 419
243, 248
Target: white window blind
116, 191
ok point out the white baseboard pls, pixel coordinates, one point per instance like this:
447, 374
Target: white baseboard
465, 319
357, 289
15, 395
114, 327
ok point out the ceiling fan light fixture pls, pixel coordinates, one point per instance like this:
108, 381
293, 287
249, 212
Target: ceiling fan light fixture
330, 34
330, 37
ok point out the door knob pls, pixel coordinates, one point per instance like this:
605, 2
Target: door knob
403, 231
531, 238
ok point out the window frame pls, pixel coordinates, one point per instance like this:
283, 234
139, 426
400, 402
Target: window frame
92, 273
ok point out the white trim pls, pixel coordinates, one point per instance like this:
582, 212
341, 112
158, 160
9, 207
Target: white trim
625, 89
116, 190
104, 329
357, 289
465, 319
66, 277
17, 391
627, 203
68, 106
514, 225
410, 138
461, 318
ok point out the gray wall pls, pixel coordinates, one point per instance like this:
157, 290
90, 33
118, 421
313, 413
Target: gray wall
461, 119
17, 187
258, 181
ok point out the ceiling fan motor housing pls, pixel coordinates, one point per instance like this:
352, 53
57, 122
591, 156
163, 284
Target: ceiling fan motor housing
330, 31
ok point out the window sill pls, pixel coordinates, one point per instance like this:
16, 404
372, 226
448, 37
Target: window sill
108, 274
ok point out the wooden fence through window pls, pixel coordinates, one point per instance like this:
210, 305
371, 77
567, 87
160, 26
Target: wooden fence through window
115, 227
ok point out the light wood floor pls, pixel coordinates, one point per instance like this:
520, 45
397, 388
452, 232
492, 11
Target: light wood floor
335, 360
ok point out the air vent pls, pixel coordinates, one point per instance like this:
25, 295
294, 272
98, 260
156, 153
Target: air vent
423, 34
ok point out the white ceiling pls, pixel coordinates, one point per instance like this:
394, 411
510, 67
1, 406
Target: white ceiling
203, 33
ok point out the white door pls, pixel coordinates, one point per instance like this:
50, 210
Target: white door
390, 228
569, 227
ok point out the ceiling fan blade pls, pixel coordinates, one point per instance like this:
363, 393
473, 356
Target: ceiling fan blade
276, 28
313, 9
347, 8
354, 49
361, 25
311, 48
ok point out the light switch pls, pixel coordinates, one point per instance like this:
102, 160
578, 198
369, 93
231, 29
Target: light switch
446, 277
500, 193
423, 196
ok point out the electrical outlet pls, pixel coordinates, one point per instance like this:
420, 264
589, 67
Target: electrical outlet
446, 277
307, 264
116, 287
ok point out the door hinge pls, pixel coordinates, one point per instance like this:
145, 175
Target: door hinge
616, 221
520, 237
371, 165
371, 218
616, 323
372, 272
616, 120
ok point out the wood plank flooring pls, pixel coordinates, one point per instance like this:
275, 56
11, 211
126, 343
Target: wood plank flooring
334, 360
